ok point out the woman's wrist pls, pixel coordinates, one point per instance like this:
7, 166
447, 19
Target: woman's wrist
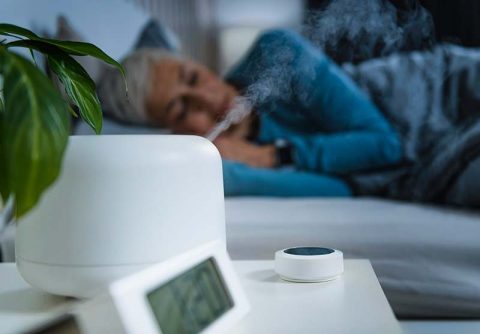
261, 156
267, 157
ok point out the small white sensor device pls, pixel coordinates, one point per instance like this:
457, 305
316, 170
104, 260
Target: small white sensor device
196, 292
309, 264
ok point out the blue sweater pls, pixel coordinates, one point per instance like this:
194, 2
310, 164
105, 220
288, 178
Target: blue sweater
304, 98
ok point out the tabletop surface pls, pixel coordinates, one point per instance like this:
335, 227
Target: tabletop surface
22, 306
353, 303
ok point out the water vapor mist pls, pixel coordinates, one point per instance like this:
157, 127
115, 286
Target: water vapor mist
271, 82
346, 30
241, 109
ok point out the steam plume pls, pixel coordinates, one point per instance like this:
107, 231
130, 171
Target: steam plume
347, 30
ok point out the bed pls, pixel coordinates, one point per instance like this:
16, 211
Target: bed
427, 258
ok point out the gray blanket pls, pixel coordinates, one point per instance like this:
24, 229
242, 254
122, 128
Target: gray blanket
432, 98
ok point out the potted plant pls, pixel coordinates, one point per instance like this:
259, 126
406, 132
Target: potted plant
102, 219
34, 118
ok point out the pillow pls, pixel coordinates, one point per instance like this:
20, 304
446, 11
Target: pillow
156, 35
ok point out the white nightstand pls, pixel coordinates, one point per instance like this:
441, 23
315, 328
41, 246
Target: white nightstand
354, 303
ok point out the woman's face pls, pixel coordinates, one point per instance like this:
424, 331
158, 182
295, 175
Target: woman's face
186, 97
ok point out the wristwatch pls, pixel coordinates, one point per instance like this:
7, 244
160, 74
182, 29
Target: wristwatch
283, 152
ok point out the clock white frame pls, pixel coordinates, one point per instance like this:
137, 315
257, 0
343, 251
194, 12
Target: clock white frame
125, 308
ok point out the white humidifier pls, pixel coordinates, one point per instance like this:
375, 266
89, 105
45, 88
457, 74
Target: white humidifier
121, 203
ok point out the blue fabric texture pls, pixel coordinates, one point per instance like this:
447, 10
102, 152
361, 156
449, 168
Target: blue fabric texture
242, 180
304, 98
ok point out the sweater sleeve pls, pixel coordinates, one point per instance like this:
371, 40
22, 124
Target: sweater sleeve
351, 133
355, 135
243, 180
345, 152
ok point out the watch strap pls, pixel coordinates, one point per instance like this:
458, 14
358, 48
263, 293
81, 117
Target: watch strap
284, 152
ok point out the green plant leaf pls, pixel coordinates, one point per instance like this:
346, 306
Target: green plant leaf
70, 47
34, 134
2, 107
78, 84
3, 186
73, 48
85, 49
11, 29
4, 192
79, 87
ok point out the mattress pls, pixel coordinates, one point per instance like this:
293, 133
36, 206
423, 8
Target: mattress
427, 258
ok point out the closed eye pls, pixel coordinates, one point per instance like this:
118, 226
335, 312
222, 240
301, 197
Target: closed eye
193, 79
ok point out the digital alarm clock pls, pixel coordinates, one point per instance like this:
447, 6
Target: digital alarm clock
196, 292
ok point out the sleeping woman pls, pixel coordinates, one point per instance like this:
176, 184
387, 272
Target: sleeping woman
304, 138
312, 129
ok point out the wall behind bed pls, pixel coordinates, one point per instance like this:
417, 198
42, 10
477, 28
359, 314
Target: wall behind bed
113, 25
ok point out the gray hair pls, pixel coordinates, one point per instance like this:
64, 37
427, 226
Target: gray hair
130, 108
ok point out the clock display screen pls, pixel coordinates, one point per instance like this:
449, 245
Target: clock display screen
190, 302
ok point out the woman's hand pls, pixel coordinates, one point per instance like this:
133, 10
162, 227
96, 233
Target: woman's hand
243, 151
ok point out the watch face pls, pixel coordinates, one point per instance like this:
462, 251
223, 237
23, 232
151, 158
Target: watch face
191, 301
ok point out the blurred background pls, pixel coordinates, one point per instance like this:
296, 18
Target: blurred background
455, 21
217, 32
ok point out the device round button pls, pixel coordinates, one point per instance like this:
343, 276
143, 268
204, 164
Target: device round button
309, 264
